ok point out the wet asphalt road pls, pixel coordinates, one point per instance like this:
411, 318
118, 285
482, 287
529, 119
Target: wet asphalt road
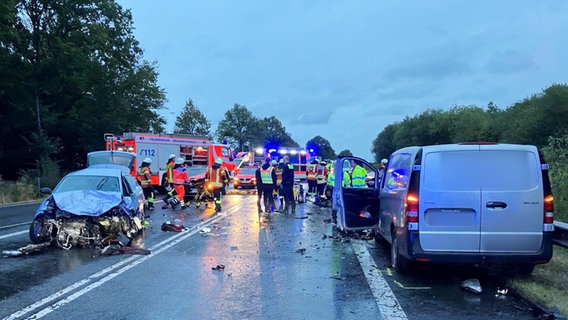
288, 267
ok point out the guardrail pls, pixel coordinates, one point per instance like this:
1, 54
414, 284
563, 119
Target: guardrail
561, 234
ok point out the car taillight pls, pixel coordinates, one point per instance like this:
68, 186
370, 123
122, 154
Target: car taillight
411, 211
549, 209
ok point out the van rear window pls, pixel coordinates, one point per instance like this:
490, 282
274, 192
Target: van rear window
475, 170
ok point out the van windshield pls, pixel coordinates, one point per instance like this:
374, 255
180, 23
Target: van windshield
475, 170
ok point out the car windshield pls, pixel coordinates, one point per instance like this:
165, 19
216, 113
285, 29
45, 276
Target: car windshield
76, 183
247, 170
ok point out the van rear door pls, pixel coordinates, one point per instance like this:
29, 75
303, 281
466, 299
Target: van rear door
449, 200
356, 208
511, 199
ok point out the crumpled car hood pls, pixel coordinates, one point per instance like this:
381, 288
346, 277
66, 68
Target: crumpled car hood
87, 202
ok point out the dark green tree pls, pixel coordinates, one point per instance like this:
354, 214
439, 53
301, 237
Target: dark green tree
322, 147
271, 130
384, 145
238, 127
345, 153
192, 121
70, 70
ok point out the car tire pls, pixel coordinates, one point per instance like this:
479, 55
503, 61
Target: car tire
36, 232
398, 262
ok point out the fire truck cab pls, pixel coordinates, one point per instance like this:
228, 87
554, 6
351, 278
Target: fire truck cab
198, 152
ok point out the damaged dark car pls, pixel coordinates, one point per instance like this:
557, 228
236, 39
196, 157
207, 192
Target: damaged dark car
92, 207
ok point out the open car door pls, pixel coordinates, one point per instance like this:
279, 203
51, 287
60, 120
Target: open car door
355, 208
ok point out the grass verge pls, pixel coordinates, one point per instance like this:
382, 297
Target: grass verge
548, 283
17, 191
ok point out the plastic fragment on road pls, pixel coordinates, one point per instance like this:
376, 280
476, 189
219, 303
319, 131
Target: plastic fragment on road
301, 250
472, 285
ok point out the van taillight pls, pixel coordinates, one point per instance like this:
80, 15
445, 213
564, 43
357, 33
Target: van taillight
549, 209
411, 208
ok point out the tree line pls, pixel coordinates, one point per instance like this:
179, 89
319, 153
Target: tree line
540, 120
72, 70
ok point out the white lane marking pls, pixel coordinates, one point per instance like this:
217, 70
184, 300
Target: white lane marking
171, 241
15, 225
13, 234
384, 297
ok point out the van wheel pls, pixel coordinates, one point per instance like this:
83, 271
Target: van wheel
525, 269
398, 262
378, 237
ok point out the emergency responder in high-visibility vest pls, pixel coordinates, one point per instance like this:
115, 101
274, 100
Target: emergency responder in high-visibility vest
168, 180
330, 183
311, 176
268, 178
146, 182
278, 166
321, 178
217, 177
180, 179
358, 175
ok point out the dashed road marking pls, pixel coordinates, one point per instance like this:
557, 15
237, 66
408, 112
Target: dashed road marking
110, 272
384, 297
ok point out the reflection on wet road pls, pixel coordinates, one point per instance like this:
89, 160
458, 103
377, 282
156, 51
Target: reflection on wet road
286, 267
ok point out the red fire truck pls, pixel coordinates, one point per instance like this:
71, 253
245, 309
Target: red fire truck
198, 152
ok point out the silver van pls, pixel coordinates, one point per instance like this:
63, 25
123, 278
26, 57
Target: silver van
470, 203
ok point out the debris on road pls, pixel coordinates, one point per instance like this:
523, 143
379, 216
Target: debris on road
30, 248
472, 285
219, 267
115, 249
168, 226
301, 250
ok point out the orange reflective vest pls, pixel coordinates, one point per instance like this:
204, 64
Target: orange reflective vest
145, 177
312, 171
320, 174
216, 177
180, 176
278, 176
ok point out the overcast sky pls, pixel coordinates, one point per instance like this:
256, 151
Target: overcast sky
346, 69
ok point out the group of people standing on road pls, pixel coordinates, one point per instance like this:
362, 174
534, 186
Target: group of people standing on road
176, 180
275, 180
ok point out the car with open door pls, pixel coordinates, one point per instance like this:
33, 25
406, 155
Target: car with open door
479, 203
355, 208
